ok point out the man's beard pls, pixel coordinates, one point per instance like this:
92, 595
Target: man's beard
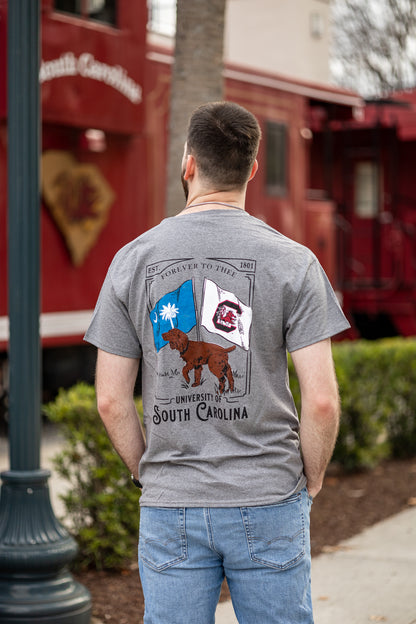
185, 185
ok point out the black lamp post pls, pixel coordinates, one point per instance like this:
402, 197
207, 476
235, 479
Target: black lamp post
35, 584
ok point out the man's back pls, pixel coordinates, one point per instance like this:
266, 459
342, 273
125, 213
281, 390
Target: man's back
215, 299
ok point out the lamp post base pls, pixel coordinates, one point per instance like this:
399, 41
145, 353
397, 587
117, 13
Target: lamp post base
56, 600
35, 549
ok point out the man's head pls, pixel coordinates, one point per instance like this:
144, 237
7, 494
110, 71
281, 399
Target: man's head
223, 138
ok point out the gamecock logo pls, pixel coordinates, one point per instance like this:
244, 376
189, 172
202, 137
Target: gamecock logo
226, 316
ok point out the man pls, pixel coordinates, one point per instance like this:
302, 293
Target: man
211, 300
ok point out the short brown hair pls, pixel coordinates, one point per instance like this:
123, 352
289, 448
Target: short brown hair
224, 139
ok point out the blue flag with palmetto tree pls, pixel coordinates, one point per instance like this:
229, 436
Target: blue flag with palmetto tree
175, 309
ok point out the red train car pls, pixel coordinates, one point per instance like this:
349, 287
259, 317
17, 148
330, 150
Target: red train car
367, 167
93, 114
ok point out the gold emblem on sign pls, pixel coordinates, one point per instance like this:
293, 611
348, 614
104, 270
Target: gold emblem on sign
79, 199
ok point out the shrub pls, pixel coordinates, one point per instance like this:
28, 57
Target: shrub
378, 416
400, 397
362, 440
102, 504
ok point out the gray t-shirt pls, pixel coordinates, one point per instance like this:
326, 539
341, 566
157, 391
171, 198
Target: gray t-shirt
212, 302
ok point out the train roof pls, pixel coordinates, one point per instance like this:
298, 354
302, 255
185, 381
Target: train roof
341, 102
395, 111
398, 110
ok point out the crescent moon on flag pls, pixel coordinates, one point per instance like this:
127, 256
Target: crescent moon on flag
155, 319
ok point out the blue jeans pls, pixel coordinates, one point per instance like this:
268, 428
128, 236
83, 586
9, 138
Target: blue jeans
264, 552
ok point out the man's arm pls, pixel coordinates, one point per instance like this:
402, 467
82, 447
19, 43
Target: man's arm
320, 409
115, 380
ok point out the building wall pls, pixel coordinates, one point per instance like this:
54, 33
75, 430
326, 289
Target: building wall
288, 37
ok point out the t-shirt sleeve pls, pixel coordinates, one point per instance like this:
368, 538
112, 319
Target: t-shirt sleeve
316, 314
111, 328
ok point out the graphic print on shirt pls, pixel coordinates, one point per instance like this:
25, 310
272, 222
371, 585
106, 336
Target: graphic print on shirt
201, 316
224, 314
176, 309
198, 353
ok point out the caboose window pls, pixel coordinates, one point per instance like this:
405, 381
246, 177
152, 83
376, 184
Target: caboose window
99, 10
367, 189
162, 17
276, 158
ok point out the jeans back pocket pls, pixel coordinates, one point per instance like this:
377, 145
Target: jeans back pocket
162, 542
276, 534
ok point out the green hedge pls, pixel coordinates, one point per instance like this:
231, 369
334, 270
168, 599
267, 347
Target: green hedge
102, 504
377, 382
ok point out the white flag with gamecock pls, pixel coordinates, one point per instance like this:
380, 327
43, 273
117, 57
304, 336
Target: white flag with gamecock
224, 314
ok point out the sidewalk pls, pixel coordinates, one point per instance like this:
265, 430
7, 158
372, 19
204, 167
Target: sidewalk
368, 578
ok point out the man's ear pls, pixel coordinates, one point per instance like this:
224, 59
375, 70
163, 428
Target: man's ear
189, 167
254, 170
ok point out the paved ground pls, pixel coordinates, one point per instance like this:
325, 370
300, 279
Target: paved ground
369, 578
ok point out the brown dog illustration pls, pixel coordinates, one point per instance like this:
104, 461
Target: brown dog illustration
196, 354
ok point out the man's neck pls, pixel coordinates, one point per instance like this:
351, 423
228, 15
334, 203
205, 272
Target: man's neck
216, 200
